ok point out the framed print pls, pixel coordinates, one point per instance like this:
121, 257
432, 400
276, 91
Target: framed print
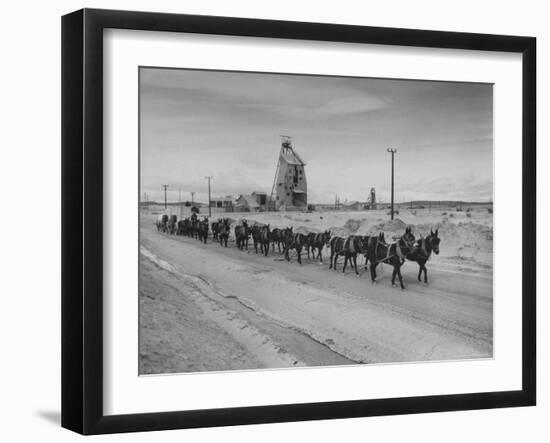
269, 221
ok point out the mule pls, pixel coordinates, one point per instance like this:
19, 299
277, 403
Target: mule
317, 241
181, 227
349, 248
223, 232
355, 245
255, 234
276, 238
394, 254
422, 250
336, 246
294, 241
187, 228
242, 232
202, 231
263, 238
162, 220
215, 229
172, 224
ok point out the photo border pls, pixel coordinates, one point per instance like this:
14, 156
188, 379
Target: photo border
82, 220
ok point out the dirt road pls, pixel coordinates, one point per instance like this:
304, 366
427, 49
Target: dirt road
204, 307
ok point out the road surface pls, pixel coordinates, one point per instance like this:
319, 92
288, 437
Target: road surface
205, 307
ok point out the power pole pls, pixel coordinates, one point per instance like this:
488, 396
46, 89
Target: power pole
192, 198
392, 151
165, 200
209, 177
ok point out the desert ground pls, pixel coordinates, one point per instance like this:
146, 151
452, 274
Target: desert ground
204, 307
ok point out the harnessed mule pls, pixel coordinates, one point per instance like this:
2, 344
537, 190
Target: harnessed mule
349, 248
317, 241
276, 238
223, 232
255, 233
264, 235
294, 241
241, 235
188, 227
162, 220
172, 224
355, 244
422, 251
203, 230
394, 254
260, 236
336, 246
195, 228
215, 226
181, 227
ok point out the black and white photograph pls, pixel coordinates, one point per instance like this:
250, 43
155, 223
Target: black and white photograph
299, 220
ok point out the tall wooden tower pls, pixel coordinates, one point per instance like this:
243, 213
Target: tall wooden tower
289, 191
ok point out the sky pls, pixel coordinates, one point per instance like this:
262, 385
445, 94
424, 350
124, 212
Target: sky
196, 123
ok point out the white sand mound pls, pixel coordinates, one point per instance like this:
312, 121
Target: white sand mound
396, 226
463, 240
353, 225
303, 230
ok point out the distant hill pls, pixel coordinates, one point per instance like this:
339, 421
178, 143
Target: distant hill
426, 203
441, 203
185, 203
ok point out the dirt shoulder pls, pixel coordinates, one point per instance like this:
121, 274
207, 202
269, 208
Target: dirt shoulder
176, 335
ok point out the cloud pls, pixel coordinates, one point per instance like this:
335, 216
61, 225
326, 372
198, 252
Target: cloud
227, 124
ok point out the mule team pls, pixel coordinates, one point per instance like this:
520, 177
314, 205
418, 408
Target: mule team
375, 249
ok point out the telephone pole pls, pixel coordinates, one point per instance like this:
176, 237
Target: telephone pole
392, 151
165, 200
209, 177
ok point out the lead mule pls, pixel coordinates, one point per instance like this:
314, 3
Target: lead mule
422, 250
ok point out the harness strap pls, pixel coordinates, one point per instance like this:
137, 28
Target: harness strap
351, 244
423, 247
398, 250
388, 252
338, 251
388, 255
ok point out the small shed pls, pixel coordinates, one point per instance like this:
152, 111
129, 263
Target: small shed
255, 202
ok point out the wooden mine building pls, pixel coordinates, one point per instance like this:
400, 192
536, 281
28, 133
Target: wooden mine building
289, 191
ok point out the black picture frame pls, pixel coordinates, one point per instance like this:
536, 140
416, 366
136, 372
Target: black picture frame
82, 220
